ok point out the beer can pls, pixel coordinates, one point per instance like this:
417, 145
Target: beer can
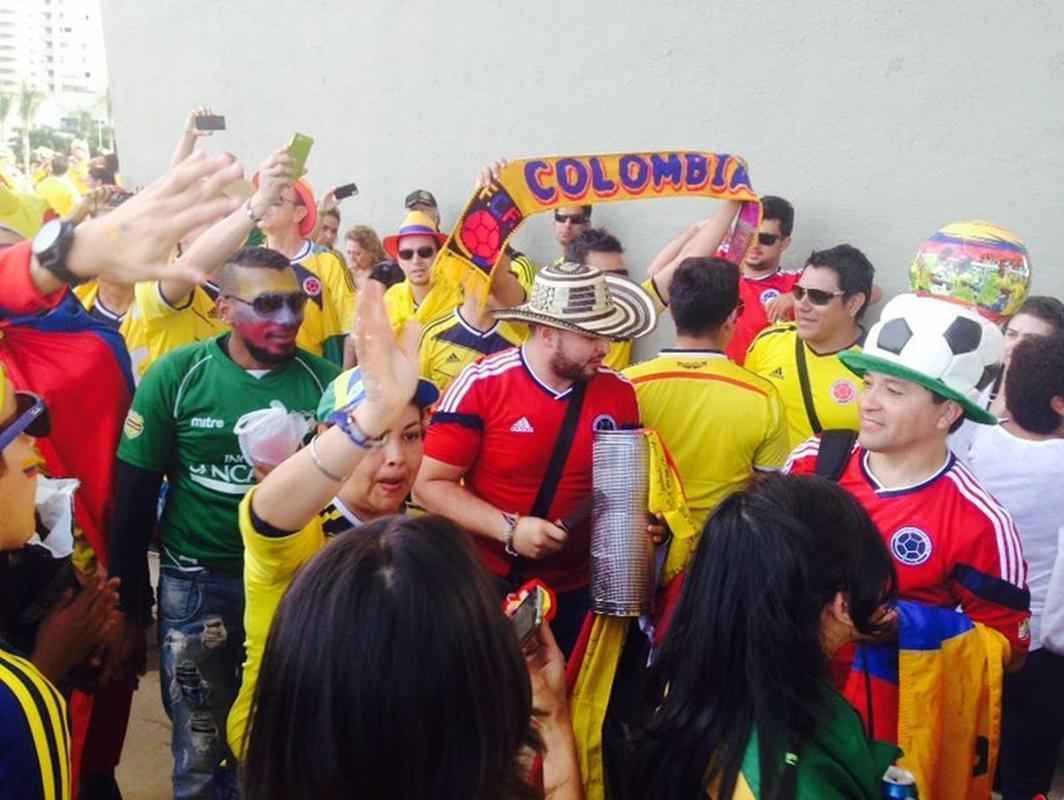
899, 784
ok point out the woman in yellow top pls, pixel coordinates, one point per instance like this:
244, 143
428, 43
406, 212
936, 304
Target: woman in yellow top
390, 642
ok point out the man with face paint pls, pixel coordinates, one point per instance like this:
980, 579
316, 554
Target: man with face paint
181, 425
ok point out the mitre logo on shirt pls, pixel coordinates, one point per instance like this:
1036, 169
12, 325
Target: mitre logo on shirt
207, 423
522, 426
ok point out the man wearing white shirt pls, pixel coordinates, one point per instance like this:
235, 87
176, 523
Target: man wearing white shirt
1021, 462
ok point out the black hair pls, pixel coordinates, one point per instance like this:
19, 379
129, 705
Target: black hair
773, 207
1035, 376
100, 171
390, 671
251, 258
855, 272
1048, 309
60, 164
593, 240
744, 653
703, 293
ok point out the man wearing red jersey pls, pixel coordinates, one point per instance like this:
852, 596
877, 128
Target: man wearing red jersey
765, 288
508, 453
952, 543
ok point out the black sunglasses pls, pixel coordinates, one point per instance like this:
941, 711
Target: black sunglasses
420, 197
574, 219
266, 305
423, 252
31, 416
768, 239
818, 297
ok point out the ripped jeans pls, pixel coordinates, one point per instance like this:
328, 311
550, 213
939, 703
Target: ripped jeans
201, 628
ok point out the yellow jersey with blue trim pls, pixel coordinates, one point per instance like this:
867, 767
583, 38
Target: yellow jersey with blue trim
450, 344
34, 734
324, 282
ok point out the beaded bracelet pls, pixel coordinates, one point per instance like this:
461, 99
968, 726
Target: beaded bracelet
345, 422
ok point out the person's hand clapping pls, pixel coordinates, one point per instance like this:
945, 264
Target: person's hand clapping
536, 538
78, 625
133, 242
389, 373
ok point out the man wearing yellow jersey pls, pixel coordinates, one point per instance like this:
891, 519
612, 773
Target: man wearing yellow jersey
801, 358
57, 189
421, 295
719, 421
287, 224
449, 344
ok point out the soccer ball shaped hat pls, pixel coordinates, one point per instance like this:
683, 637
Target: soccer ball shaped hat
977, 264
936, 343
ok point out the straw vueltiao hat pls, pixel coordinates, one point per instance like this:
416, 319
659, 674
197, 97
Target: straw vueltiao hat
580, 298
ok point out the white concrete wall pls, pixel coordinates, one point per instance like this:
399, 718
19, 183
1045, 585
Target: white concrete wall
880, 121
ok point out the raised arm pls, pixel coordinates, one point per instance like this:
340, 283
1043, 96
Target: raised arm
290, 496
187, 143
703, 242
210, 250
133, 242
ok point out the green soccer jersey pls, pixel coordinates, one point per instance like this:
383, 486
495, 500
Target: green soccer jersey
181, 424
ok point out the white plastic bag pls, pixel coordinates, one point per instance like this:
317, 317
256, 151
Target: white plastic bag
55, 505
270, 435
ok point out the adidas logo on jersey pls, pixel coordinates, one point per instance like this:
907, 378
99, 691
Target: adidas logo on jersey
452, 358
777, 373
522, 426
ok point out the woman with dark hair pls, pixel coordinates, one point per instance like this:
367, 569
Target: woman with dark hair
389, 669
740, 699
1040, 315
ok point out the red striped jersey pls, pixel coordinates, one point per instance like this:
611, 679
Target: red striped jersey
499, 422
952, 543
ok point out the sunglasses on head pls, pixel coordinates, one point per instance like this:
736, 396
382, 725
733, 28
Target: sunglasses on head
768, 239
572, 219
818, 297
422, 252
266, 305
31, 416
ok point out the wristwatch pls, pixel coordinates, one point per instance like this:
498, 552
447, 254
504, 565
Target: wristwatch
51, 246
511, 523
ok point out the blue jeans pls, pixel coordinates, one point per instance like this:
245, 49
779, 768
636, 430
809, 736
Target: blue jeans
201, 631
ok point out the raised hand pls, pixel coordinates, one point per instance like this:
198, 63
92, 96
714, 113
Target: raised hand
133, 242
390, 373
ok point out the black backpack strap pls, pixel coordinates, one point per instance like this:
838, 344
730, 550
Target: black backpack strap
834, 453
803, 380
562, 446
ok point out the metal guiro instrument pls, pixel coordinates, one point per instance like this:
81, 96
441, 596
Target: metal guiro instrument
622, 556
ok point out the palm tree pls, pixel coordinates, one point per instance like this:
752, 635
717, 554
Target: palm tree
6, 101
29, 102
